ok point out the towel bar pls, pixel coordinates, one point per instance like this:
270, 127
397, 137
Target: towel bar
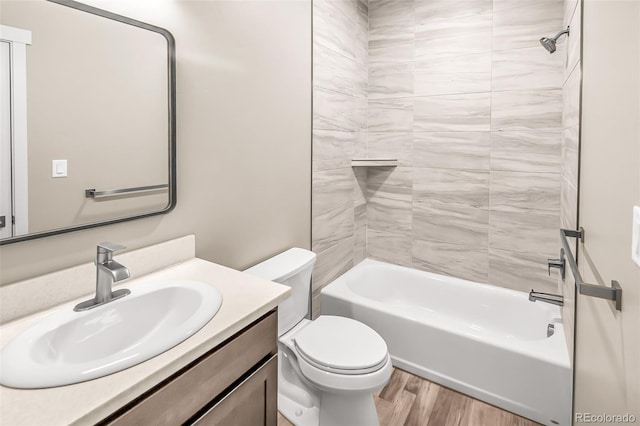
613, 293
93, 193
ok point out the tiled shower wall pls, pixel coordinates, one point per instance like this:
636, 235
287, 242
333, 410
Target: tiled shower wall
339, 133
570, 149
463, 95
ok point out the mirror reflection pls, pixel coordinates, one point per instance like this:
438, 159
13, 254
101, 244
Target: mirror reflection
85, 119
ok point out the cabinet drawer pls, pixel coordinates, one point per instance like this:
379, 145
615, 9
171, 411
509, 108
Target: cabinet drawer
194, 387
254, 402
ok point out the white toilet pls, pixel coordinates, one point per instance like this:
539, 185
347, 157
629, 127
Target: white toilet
329, 368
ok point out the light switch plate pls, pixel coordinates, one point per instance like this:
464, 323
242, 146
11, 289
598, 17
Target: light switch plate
635, 236
58, 168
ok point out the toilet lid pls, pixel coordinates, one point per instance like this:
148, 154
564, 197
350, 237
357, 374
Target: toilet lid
339, 343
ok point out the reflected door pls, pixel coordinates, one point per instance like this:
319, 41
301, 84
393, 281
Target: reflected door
6, 208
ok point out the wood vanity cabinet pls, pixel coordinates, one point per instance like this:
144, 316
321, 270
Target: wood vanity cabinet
236, 383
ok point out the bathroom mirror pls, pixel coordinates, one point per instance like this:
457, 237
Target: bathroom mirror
88, 119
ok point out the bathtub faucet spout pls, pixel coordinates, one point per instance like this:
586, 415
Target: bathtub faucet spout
554, 299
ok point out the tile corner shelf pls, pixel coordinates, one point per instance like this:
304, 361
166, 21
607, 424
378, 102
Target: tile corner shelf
374, 162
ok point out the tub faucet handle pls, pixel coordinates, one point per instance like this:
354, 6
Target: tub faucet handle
557, 263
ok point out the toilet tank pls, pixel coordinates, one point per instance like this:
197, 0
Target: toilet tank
292, 268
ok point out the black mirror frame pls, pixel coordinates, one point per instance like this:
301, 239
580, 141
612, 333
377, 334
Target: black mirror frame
171, 64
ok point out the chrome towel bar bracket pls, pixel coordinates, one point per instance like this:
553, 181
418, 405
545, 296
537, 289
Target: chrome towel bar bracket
613, 293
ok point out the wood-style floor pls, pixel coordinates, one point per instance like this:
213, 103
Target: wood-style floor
412, 400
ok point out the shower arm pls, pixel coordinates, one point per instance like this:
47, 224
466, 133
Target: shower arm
565, 31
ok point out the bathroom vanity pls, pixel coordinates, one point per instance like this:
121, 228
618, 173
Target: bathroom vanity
224, 373
235, 383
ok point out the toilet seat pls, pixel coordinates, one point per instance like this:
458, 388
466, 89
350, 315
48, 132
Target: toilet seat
341, 345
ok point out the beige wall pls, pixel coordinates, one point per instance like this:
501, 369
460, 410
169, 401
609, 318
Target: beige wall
244, 138
607, 364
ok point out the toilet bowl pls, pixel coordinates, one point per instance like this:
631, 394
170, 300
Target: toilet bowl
329, 368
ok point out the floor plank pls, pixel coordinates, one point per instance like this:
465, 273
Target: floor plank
409, 400
426, 396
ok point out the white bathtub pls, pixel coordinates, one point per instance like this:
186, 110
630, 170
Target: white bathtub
487, 342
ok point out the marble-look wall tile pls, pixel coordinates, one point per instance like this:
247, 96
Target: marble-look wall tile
331, 189
453, 37
569, 10
390, 80
518, 27
332, 149
329, 227
573, 42
389, 193
332, 71
392, 17
360, 234
390, 50
528, 68
569, 205
333, 26
451, 113
333, 110
570, 138
451, 75
452, 150
391, 145
362, 31
361, 112
524, 232
525, 192
451, 206
436, 220
520, 271
316, 303
391, 30
362, 45
428, 85
427, 10
361, 84
389, 247
526, 110
450, 259
361, 145
332, 262
499, 5
526, 151
390, 115
571, 98
340, 38
360, 175
461, 188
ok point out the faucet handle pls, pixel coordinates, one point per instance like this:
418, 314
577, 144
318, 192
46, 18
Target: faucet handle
107, 247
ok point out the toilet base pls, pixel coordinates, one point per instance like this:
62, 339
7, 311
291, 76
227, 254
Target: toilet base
356, 410
298, 414
336, 411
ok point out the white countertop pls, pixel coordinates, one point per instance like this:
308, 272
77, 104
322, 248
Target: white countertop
245, 299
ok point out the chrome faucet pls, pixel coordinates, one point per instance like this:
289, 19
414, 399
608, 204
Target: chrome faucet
108, 271
554, 299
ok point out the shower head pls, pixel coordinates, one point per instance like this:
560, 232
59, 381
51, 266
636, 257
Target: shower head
550, 43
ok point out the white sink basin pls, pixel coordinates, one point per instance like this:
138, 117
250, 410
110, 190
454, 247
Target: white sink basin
71, 347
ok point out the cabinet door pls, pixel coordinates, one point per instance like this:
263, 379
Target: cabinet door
254, 402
